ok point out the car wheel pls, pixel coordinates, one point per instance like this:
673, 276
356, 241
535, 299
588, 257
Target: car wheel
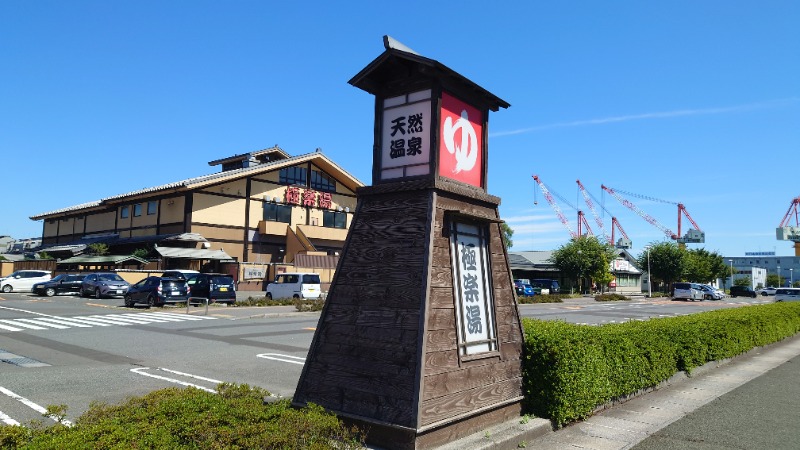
269, 296
49, 292
295, 296
82, 293
129, 301
707, 297
97, 294
7, 288
151, 301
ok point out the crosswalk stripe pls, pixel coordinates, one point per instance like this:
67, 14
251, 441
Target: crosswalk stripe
24, 325
40, 322
63, 323
8, 328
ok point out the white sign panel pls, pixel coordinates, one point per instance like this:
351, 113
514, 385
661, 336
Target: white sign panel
472, 286
405, 135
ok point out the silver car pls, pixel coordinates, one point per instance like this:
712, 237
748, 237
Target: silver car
104, 284
709, 293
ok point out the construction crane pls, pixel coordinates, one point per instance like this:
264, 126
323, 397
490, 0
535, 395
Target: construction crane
548, 194
692, 236
624, 242
788, 232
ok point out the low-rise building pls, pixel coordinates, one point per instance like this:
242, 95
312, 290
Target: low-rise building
263, 209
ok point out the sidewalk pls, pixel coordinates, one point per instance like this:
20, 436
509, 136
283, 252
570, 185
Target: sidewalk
624, 425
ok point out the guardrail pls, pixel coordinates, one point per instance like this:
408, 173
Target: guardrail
196, 301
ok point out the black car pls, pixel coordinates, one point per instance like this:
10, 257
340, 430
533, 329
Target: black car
743, 291
216, 287
157, 291
60, 284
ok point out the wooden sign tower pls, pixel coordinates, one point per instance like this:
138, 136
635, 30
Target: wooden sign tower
420, 339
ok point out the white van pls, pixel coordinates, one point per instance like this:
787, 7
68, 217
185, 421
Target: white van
687, 291
295, 285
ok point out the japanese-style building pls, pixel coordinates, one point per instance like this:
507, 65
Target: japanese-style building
262, 207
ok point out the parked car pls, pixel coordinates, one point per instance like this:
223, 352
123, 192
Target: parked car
103, 284
551, 286
787, 295
710, 293
23, 280
742, 291
687, 291
295, 285
60, 284
767, 291
216, 287
157, 291
524, 289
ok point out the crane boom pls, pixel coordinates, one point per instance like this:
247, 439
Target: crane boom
554, 205
652, 221
598, 220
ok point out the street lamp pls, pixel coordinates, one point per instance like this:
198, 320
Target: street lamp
779, 276
791, 277
731, 261
649, 275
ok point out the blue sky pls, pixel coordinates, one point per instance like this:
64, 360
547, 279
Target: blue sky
685, 101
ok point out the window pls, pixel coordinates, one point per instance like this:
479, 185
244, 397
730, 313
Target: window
322, 182
137, 210
293, 175
277, 213
333, 219
124, 212
152, 208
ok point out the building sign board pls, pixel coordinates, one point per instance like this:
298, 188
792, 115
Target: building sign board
405, 135
461, 141
472, 289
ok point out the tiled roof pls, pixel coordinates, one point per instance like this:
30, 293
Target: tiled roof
203, 180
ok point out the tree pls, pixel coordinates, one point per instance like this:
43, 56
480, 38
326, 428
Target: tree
773, 280
667, 262
742, 281
97, 249
584, 256
506, 233
702, 266
141, 253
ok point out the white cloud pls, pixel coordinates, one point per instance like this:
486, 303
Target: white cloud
653, 115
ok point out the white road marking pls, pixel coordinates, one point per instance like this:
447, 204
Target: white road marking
171, 380
39, 322
61, 321
282, 358
7, 419
8, 328
31, 404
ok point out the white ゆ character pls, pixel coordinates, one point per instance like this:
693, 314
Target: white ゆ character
467, 153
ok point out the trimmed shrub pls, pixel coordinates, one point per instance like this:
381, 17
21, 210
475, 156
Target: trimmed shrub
191, 418
571, 370
611, 297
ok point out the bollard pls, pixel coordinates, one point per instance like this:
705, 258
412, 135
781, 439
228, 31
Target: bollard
196, 301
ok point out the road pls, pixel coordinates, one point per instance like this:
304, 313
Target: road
70, 351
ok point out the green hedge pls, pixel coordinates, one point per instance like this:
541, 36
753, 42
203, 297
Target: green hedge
172, 418
570, 370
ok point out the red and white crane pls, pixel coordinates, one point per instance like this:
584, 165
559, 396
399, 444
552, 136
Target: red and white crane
787, 231
625, 241
548, 194
693, 235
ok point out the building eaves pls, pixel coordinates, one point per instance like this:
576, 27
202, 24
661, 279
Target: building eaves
203, 180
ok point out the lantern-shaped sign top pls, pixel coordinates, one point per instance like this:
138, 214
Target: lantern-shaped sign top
430, 121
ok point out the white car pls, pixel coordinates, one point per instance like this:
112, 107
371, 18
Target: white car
23, 280
767, 291
709, 293
787, 295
